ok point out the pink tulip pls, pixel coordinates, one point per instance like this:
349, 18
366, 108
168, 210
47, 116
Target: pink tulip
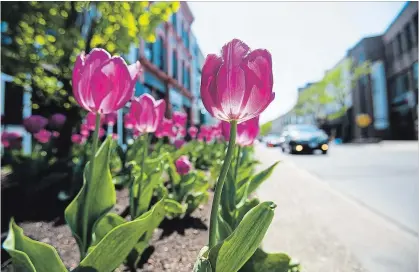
238, 84
181, 131
114, 136
147, 112
246, 131
57, 120
179, 143
110, 118
201, 137
183, 165
35, 123
91, 121
43, 136
165, 128
77, 139
129, 121
103, 84
193, 131
102, 132
179, 118
84, 130
12, 140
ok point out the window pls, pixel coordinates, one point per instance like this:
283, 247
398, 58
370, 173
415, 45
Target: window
161, 54
174, 64
389, 51
399, 44
408, 36
148, 51
174, 21
415, 27
415, 75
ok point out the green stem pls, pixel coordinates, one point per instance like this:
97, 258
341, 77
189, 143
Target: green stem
220, 183
85, 214
140, 182
239, 150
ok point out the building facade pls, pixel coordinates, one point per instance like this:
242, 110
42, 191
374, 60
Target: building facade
401, 68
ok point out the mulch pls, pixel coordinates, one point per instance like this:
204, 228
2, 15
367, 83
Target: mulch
174, 246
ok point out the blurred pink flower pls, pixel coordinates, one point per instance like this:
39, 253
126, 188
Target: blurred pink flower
57, 120
84, 130
193, 131
110, 118
183, 165
129, 121
91, 120
181, 131
55, 134
165, 128
102, 83
147, 112
43, 136
35, 123
246, 131
102, 132
12, 140
238, 84
77, 139
179, 143
114, 136
179, 118
136, 134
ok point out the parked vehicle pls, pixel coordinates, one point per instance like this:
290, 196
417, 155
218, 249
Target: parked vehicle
273, 140
304, 138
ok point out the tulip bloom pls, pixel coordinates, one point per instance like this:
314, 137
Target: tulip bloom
183, 165
147, 112
35, 123
181, 131
12, 140
129, 121
77, 139
192, 132
43, 136
246, 131
110, 118
237, 86
57, 120
165, 128
101, 83
179, 118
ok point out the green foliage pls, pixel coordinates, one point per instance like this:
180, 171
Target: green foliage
265, 129
94, 200
270, 262
47, 37
31, 255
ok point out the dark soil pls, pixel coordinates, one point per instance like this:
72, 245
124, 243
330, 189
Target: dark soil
174, 246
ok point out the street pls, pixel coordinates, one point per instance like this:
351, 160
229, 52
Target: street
383, 177
355, 209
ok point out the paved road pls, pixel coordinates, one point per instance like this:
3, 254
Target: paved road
354, 210
383, 177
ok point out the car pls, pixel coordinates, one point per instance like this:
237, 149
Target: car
272, 140
304, 138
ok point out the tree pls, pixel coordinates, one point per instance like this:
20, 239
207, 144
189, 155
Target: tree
265, 128
46, 37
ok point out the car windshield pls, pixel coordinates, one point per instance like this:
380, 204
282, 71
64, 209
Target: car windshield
304, 128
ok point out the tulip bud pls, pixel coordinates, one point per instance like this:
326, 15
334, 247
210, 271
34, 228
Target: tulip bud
183, 165
147, 113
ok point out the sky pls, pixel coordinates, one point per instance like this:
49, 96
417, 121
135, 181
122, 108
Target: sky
304, 38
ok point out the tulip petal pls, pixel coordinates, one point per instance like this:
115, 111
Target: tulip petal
160, 108
208, 81
234, 52
77, 73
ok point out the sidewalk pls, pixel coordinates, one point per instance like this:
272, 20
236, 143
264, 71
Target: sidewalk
326, 231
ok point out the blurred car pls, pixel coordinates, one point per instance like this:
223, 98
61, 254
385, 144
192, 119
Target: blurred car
272, 140
304, 138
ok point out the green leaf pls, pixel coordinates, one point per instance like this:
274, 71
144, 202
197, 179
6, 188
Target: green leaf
194, 200
112, 250
173, 174
223, 229
30, 255
202, 263
245, 208
97, 194
259, 178
231, 254
146, 192
106, 224
173, 208
269, 262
